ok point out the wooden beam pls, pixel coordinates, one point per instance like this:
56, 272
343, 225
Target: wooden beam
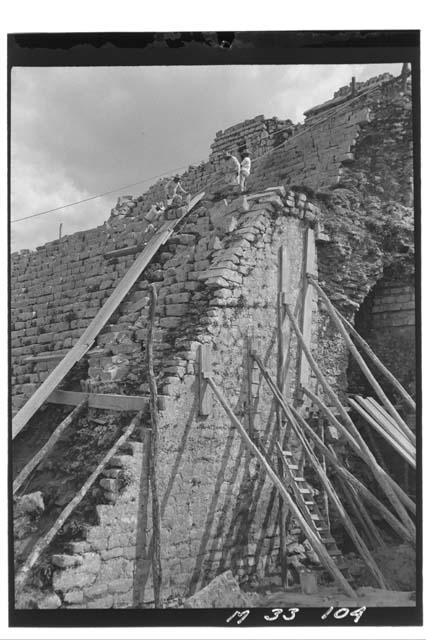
96, 325
46, 539
317, 545
106, 401
306, 327
380, 475
42, 453
360, 361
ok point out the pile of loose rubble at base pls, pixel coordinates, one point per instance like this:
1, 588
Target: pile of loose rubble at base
224, 592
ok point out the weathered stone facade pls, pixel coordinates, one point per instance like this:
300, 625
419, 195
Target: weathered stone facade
346, 174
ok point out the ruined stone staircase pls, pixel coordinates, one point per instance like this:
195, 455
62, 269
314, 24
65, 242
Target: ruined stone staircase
97, 568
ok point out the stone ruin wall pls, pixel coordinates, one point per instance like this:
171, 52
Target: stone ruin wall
217, 280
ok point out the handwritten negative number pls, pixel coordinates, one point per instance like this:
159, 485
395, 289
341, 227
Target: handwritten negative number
278, 612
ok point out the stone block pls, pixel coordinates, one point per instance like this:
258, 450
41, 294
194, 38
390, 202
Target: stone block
51, 601
120, 586
222, 592
63, 560
29, 504
101, 603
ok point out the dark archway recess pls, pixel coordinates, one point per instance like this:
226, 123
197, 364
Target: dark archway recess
386, 320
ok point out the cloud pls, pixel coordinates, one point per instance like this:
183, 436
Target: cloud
76, 132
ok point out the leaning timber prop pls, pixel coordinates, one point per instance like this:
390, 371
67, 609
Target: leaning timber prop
380, 475
42, 453
45, 540
405, 499
360, 361
400, 445
311, 536
153, 402
290, 413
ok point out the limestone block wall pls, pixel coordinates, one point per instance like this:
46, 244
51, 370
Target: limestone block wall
217, 284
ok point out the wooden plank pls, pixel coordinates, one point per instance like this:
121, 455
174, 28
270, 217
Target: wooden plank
46, 539
402, 452
384, 413
204, 370
381, 476
309, 266
317, 545
89, 335
42, 453
106, 401
360, 361
383, 418
41, 357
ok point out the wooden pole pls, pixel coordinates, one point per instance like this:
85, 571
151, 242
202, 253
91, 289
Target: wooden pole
282, 511
405, 499
45, 540
46, 448
293, 416
250, 387
311, 536
324, 466
379, 364
381, 477
360, 361
153, 402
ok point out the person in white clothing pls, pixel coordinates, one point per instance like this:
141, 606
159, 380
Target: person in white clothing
231, 170
245, 170
173, 189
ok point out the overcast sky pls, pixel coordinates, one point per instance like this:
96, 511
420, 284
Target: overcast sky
77, 132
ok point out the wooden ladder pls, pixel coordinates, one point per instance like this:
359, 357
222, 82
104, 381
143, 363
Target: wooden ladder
307, 503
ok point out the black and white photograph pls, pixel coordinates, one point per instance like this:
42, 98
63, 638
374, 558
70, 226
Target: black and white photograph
214, 330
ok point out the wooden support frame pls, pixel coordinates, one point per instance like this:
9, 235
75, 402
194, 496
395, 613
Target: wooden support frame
380, 475
405, 499
351, 480
360, 361
293, 416
46, 539
204, 370
48, 446
96, 325
318, 547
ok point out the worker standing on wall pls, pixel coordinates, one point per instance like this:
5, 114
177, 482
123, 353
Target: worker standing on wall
245, 169
232, 170
173, 191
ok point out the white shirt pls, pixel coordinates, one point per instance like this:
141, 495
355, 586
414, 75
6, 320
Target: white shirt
246, 165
